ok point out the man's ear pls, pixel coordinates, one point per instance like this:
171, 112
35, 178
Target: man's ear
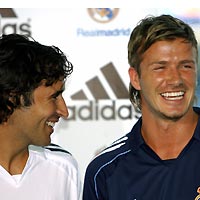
134, 78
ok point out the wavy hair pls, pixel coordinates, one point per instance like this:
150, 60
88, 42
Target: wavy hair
24, 63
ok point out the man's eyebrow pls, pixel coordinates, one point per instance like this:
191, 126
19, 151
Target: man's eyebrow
58, 92
162, 62
187, 61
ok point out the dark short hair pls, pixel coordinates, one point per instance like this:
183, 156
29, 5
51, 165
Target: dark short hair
24, 63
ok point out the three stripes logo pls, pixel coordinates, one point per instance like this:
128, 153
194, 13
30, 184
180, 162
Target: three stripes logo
7, 13
98, 90
103, 106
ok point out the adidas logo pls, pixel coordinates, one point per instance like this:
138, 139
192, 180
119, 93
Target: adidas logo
104, 106
10, 23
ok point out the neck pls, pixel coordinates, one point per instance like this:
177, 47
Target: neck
14, 155
168, 138
14, 163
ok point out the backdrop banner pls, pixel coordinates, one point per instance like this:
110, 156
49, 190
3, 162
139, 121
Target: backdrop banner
95, 41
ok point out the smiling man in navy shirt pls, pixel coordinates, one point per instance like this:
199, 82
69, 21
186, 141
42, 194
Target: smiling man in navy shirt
160, 158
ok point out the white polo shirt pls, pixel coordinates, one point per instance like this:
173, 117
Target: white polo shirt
48, 175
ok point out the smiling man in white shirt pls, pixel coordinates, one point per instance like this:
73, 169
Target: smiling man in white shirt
32, 78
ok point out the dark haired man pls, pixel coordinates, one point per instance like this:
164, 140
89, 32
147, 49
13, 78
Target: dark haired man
32, 78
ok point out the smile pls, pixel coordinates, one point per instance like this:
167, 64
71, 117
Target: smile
173, 95
52, 124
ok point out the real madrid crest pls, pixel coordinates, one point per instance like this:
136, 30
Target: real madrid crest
103, 15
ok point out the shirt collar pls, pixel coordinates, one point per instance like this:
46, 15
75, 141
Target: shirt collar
197, 129
137, 139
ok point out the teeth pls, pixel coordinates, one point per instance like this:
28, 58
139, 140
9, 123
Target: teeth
173, 95
52, 124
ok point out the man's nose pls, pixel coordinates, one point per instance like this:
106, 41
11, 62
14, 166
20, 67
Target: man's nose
62, 109
174, 76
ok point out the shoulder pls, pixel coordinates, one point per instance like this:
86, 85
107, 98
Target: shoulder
109, 156
103, 166
116, 153
197, 110
59, 163
56, 148
55, 155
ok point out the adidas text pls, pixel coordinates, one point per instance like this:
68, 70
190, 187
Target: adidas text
96, 110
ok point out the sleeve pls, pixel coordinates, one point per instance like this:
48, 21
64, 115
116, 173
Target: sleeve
65, 161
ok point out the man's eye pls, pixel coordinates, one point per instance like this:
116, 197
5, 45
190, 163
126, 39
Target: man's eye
158, 68
54, 96
187, 66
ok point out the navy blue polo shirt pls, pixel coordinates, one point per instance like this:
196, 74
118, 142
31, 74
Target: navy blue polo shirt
130, 170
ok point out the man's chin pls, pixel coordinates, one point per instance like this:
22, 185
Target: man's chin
172, 116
